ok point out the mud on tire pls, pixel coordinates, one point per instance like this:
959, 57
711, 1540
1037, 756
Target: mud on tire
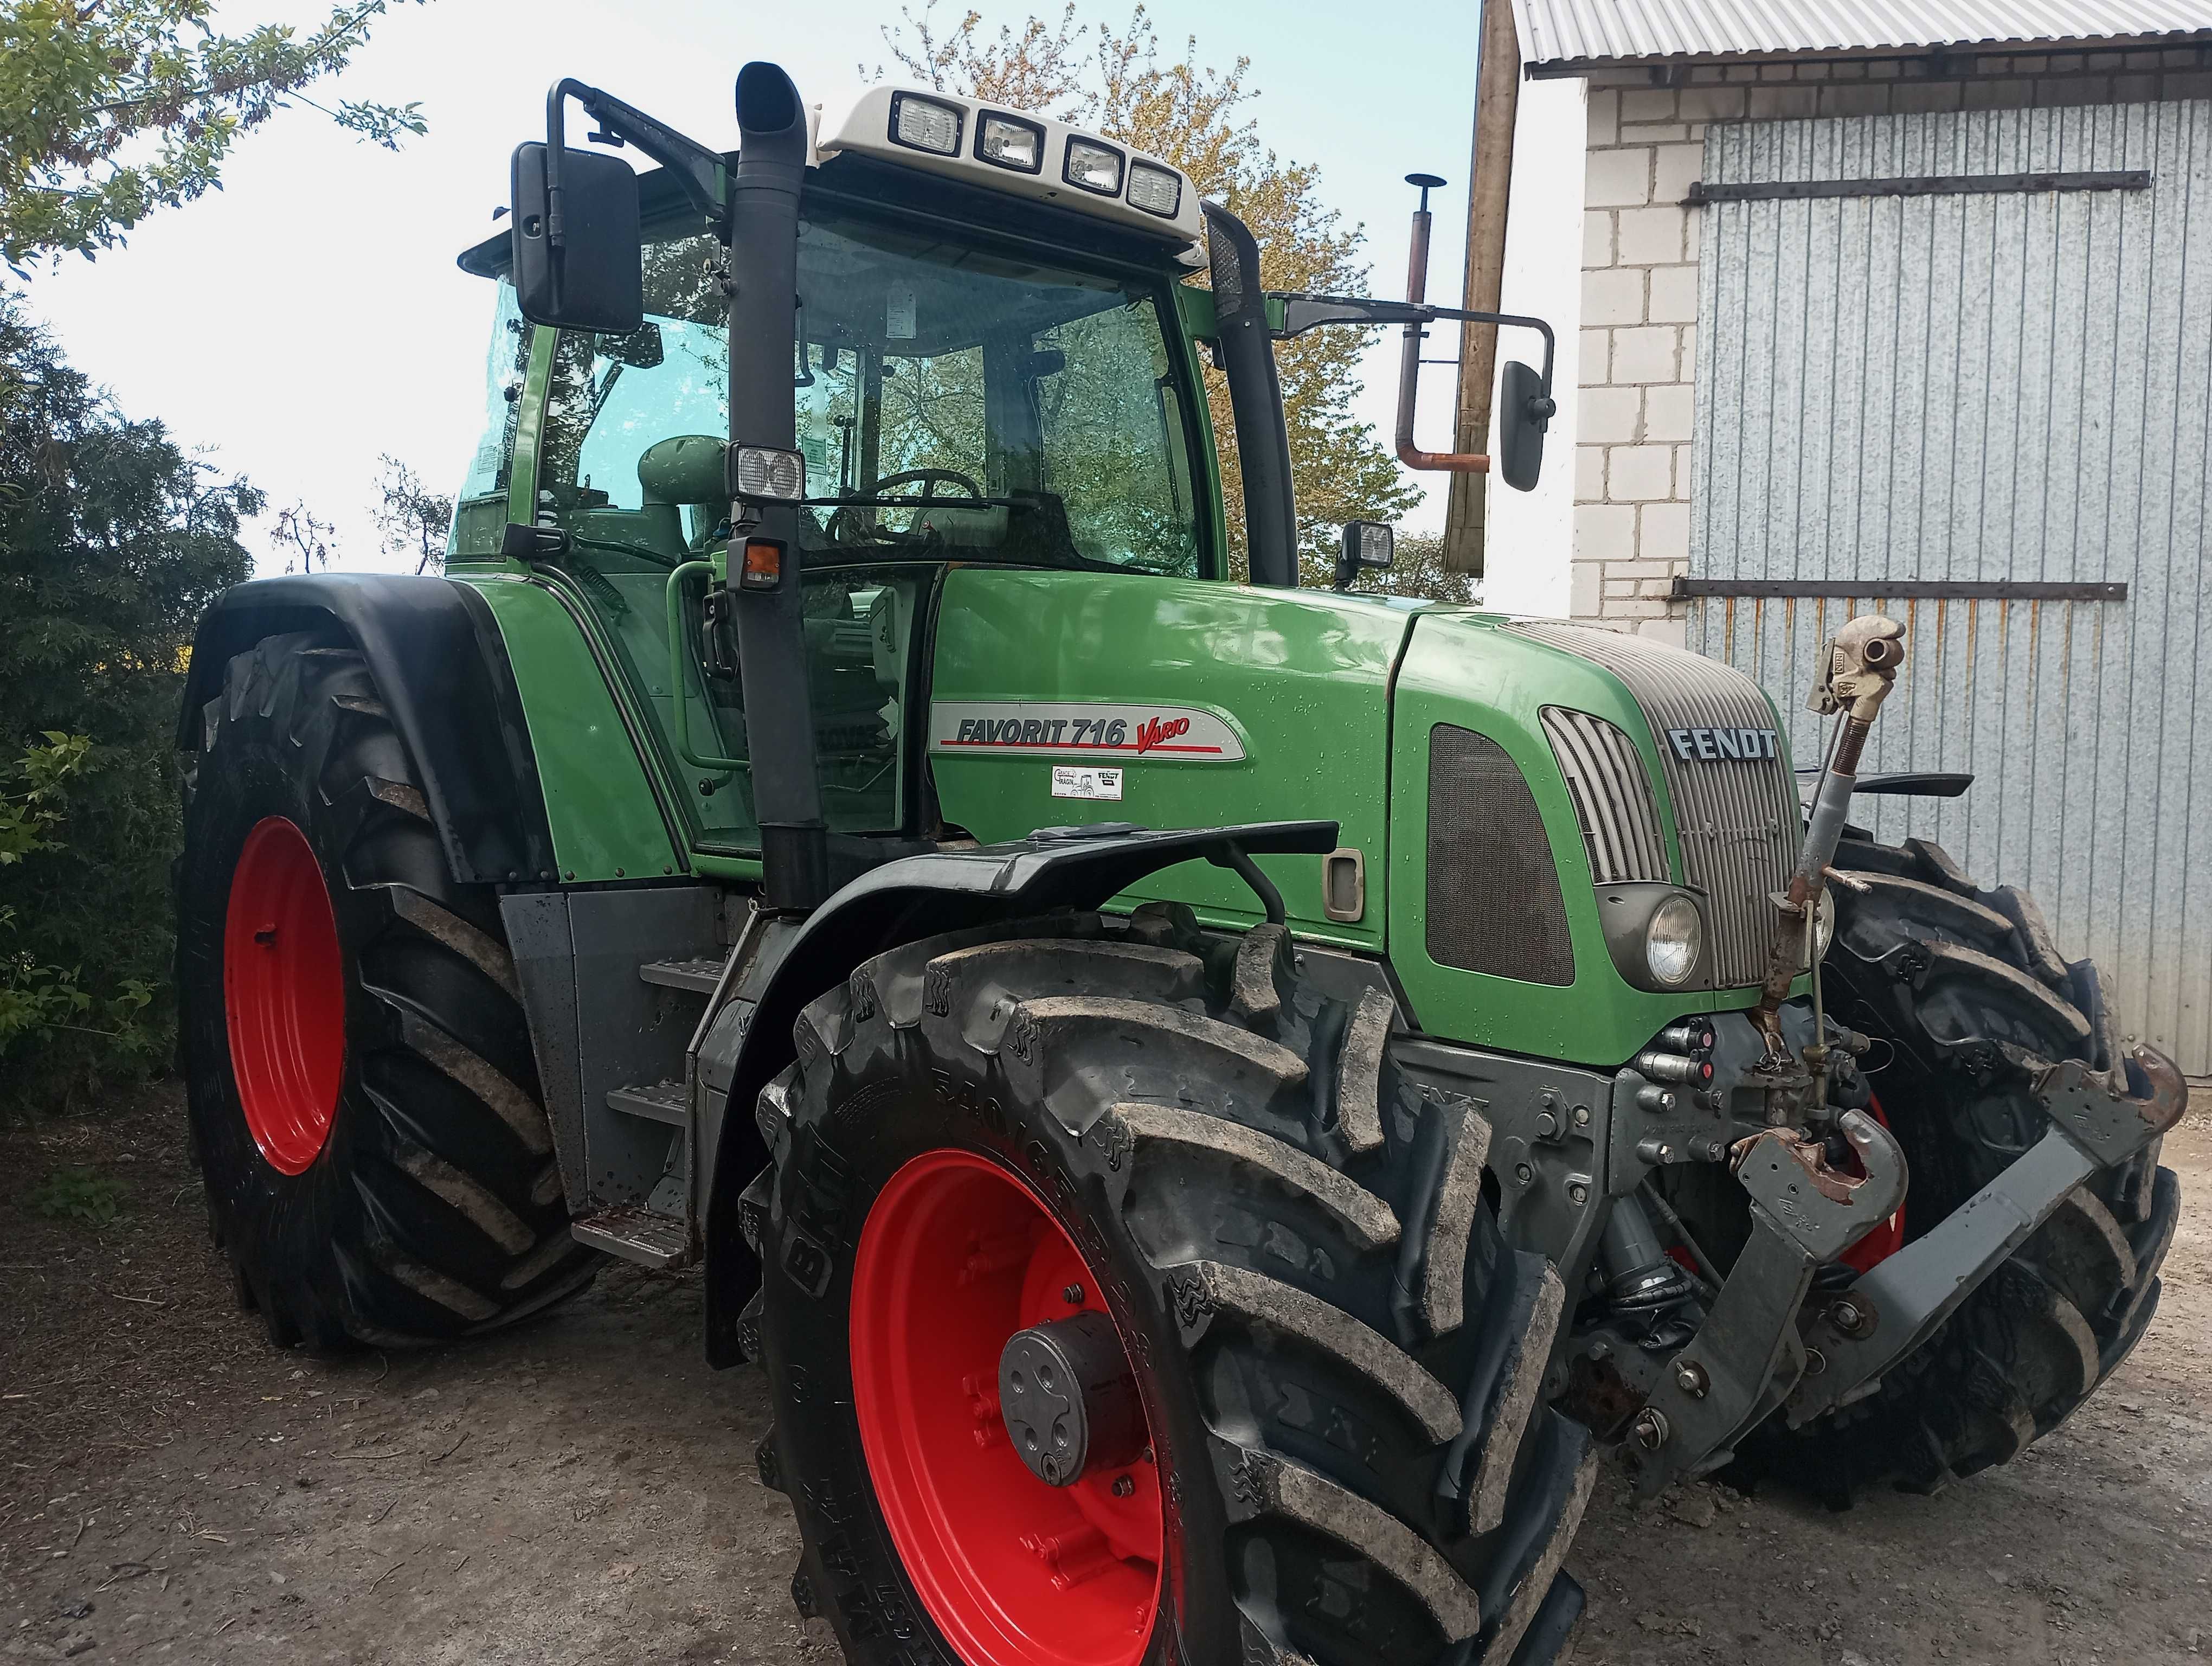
1967, 989
1339, 1360
433, 1208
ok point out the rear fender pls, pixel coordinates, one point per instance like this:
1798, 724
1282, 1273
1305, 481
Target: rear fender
441, 670
903, 902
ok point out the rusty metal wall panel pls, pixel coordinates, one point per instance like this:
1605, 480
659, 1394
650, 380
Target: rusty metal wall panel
1980, 387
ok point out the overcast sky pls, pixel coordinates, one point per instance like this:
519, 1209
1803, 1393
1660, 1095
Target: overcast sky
309, 316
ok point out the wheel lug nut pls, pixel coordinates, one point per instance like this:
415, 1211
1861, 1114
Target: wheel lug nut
1123, 1487
1072, 1295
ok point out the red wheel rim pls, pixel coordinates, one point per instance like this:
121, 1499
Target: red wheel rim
283, 995
956, 1256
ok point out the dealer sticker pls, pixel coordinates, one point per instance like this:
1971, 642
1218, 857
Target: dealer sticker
1076, 780
1180, 734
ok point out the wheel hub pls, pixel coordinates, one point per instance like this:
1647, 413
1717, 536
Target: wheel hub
1068, 1399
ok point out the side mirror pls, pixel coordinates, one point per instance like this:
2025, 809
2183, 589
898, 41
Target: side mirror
1368, 546
592, 278
1527, 413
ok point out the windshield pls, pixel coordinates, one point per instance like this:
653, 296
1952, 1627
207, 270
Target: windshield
1017, 411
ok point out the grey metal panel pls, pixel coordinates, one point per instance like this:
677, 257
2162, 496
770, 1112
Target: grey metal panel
1981, 388
1627, 31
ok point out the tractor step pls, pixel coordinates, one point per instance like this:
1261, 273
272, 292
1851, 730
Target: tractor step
662, 1101
699, 976
644, 1236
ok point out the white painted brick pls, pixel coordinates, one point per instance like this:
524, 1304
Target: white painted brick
1640, 608
1674, 632
1711, 103
1770, 103
1645, 355
1597, 239
1652, 236
1674, 296
1689, 352
1682, 475
1657, 589
1637, 474
1676, 169
1604, 117
1692, 227
1609, 416
1618, 178
1620, 589
1663, 532
1653, 132
1582, 588
1650, 104
1594, 370
1604, 530
1613, 295
1668, 410
1589, 473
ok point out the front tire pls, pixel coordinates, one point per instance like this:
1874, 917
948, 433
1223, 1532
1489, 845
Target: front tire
1338, 1362
363, 1101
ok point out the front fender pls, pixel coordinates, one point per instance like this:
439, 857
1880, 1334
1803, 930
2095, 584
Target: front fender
903, 902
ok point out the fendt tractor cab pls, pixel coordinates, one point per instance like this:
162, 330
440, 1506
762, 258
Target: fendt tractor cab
1212, 1103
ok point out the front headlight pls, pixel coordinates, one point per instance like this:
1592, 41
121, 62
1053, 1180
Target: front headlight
1824, 924
1673, 940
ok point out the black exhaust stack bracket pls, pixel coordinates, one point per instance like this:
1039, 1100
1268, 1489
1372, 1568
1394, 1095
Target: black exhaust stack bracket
763, 289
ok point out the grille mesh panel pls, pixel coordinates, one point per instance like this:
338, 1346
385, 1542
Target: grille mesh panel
1738, 818
1613, 797
1494, 904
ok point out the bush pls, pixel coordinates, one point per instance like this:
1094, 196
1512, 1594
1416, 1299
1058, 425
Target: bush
112, 543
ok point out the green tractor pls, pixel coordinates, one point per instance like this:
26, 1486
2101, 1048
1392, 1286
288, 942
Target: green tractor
1213, 1103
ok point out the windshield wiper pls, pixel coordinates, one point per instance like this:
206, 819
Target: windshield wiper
859, 502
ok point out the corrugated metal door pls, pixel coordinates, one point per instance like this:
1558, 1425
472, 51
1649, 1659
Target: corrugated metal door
2003, 386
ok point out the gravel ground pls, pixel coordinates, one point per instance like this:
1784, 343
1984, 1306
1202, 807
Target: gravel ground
171, 1488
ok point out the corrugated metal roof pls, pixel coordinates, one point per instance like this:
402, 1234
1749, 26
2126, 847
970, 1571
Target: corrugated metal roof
1562, 32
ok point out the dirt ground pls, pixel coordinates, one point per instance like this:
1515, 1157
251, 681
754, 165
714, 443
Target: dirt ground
583, 1489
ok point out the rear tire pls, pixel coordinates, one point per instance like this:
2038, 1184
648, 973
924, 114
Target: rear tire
409, 1194
1339, 1363
1967, 988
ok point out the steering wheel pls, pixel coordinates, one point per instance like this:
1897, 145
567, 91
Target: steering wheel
842, 524
928, 479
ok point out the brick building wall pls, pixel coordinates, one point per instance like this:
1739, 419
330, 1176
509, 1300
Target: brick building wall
1639, 269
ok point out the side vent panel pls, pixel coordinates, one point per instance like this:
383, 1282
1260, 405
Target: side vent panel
1612, 793
1494, 904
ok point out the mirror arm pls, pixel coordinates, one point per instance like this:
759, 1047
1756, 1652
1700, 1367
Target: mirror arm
700, 171
1302, 313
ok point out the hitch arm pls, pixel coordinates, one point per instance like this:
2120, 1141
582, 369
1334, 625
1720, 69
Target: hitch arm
1895, 1307
1748, 1355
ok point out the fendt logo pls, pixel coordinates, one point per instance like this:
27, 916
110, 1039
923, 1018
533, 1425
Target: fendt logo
1706, 743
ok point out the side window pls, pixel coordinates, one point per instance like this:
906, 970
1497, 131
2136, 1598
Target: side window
480, 507
1114, 439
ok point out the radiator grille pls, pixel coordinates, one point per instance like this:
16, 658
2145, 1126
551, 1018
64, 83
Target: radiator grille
1494, 904
1738, 818
1612, 792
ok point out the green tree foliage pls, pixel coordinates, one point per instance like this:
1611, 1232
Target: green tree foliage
112, 542
111, 108
1197, 117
